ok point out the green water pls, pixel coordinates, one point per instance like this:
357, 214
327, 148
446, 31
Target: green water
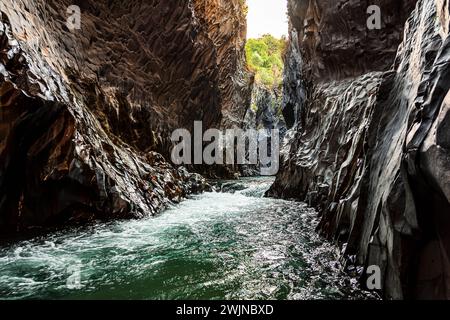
213, 246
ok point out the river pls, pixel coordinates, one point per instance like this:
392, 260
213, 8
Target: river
218, 245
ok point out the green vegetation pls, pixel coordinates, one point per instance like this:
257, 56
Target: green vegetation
264, 57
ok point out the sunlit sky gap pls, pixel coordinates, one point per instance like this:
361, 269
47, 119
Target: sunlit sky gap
267, 16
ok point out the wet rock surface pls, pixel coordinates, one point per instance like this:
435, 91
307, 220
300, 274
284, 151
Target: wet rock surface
368, 144
265, 114
335, 40
265, 111
86, 115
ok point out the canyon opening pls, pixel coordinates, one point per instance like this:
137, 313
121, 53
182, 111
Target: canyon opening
224, 150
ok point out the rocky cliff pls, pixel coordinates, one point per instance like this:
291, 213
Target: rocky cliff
368, 145
264, 114
265, 109
226, 25
86, 115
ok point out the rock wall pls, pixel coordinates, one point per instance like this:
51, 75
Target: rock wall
225, 22
368, 139
265, 110
86, 115
264, 114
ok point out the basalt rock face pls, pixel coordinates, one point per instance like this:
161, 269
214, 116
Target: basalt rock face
335, 40
86, 115
265, 111
368, 141
265, 114
225, 22
330, 40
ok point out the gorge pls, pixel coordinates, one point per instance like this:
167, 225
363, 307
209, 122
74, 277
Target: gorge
86, 118
365, 148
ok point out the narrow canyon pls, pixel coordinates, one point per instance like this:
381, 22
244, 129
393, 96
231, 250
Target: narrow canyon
86, 117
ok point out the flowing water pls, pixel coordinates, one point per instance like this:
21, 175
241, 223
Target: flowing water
213, 246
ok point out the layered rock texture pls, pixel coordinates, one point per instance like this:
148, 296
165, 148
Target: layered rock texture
265, 114
226, 25
265, 111
368, 145
86, 115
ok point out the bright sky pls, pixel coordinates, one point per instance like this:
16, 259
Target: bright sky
267, 16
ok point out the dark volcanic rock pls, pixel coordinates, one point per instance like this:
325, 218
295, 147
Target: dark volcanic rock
265, 111
334, 38
86, 115
369, 145
226, 25
264, 114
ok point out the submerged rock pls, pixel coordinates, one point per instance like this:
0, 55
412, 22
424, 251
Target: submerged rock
368, 142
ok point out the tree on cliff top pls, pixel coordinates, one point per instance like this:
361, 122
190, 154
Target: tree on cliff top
264, 58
